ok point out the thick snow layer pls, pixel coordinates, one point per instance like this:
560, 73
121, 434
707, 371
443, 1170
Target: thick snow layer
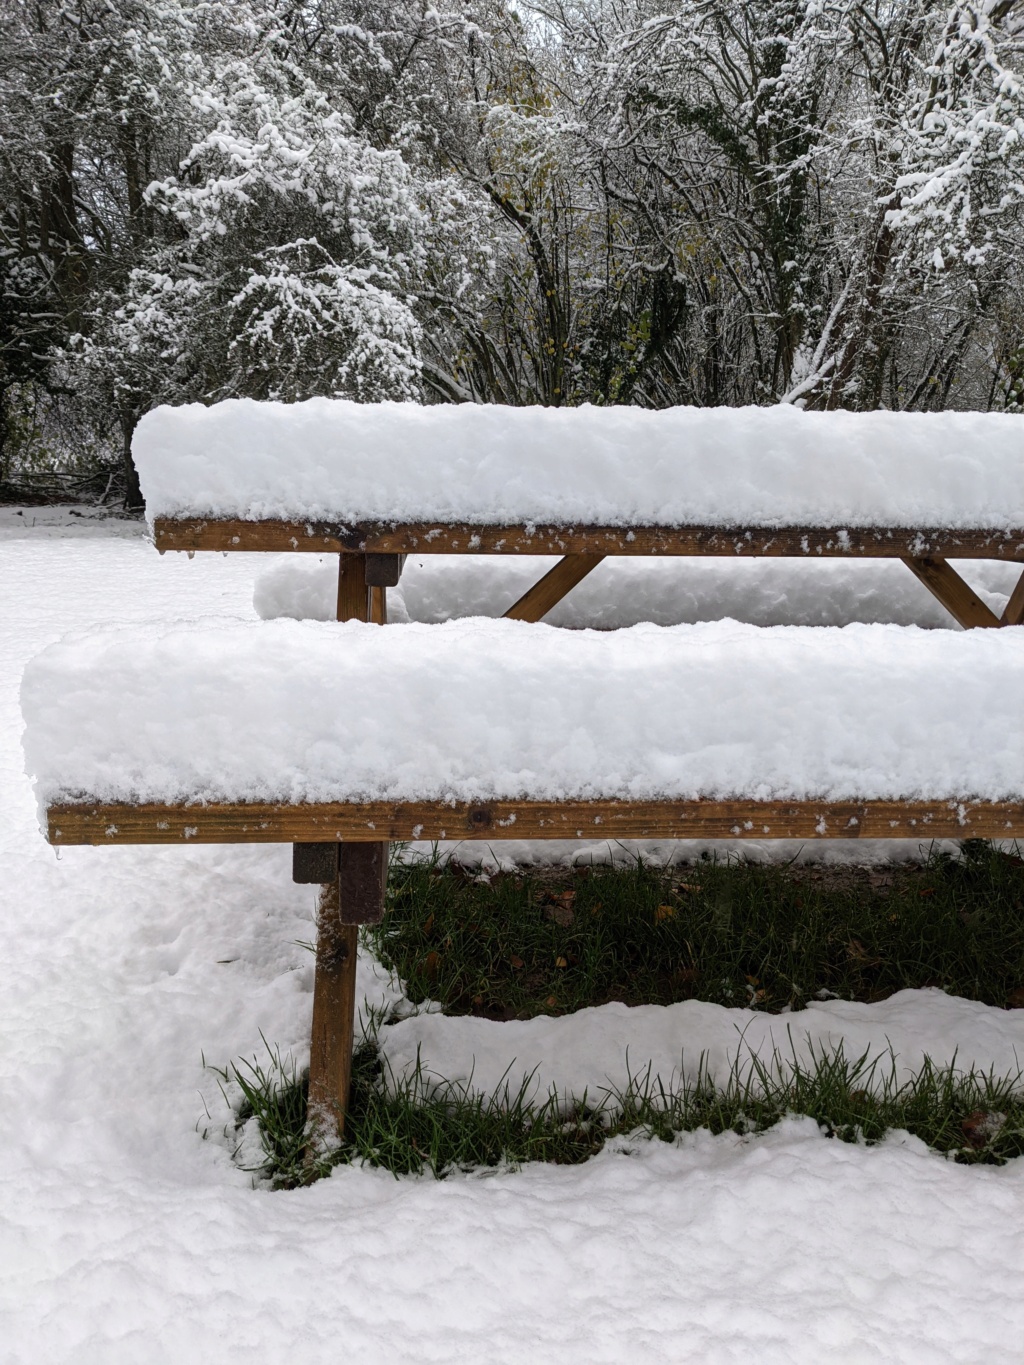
597, 1051
475, 709
334, 460
623, 591
128, 1239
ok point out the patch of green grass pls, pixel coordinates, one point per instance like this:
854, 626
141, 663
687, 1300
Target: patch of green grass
738, 934
421, 1125
769, 937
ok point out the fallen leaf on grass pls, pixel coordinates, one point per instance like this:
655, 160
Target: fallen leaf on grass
551, 1000
428, 923
561, 962
664, 912
559, 914
516, 963
430, 965
980, 1127
856, 950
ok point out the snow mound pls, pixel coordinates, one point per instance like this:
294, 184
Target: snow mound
479, 709
602, 1049
331, 459
624, 591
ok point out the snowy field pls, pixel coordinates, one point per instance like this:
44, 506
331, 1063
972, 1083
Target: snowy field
127, 1237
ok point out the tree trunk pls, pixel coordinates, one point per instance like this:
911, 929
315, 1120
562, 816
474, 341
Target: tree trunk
133, 499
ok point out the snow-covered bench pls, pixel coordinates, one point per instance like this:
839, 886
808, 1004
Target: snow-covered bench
339, 739
292, 731
335, 738
373, 483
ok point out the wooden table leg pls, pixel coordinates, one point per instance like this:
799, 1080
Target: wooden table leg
355, 896
334, 1010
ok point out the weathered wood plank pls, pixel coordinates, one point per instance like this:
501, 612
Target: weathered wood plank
364, 876
958, 597
548, 591
384, 571
353, 895
314, 864
353, 593
334, 1004
379, 606
88, 823
1013, 612
802, 542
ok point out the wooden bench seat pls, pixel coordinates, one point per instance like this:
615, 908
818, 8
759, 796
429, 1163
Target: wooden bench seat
417, 723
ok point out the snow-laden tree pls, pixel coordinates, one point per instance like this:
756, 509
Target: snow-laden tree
298, 248
284, 254
92, 107
704, 201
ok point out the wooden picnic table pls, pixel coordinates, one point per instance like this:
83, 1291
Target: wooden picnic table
666, 484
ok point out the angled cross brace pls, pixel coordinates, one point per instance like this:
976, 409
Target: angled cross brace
549, 590
1013, 615
959, 599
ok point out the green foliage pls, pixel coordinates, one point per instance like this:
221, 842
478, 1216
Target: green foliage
420, 1124
768, 937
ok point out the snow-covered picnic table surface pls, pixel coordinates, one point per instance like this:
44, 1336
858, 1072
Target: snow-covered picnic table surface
340, 462
306, 711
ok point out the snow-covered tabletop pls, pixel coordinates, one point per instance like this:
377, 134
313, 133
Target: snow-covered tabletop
475, 710
342, 463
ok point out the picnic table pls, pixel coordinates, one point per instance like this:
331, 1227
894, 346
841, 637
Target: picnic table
319, 478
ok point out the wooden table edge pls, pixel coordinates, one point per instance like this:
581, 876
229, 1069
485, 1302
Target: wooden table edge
192, 534
112, 824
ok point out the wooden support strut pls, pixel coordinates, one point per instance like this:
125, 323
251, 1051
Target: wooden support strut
334, 1009
354, 895
959, 599
549, 590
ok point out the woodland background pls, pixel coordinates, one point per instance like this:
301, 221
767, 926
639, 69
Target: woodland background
612, 201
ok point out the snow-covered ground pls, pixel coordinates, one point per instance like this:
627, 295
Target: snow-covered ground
127, 1237
622, 591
